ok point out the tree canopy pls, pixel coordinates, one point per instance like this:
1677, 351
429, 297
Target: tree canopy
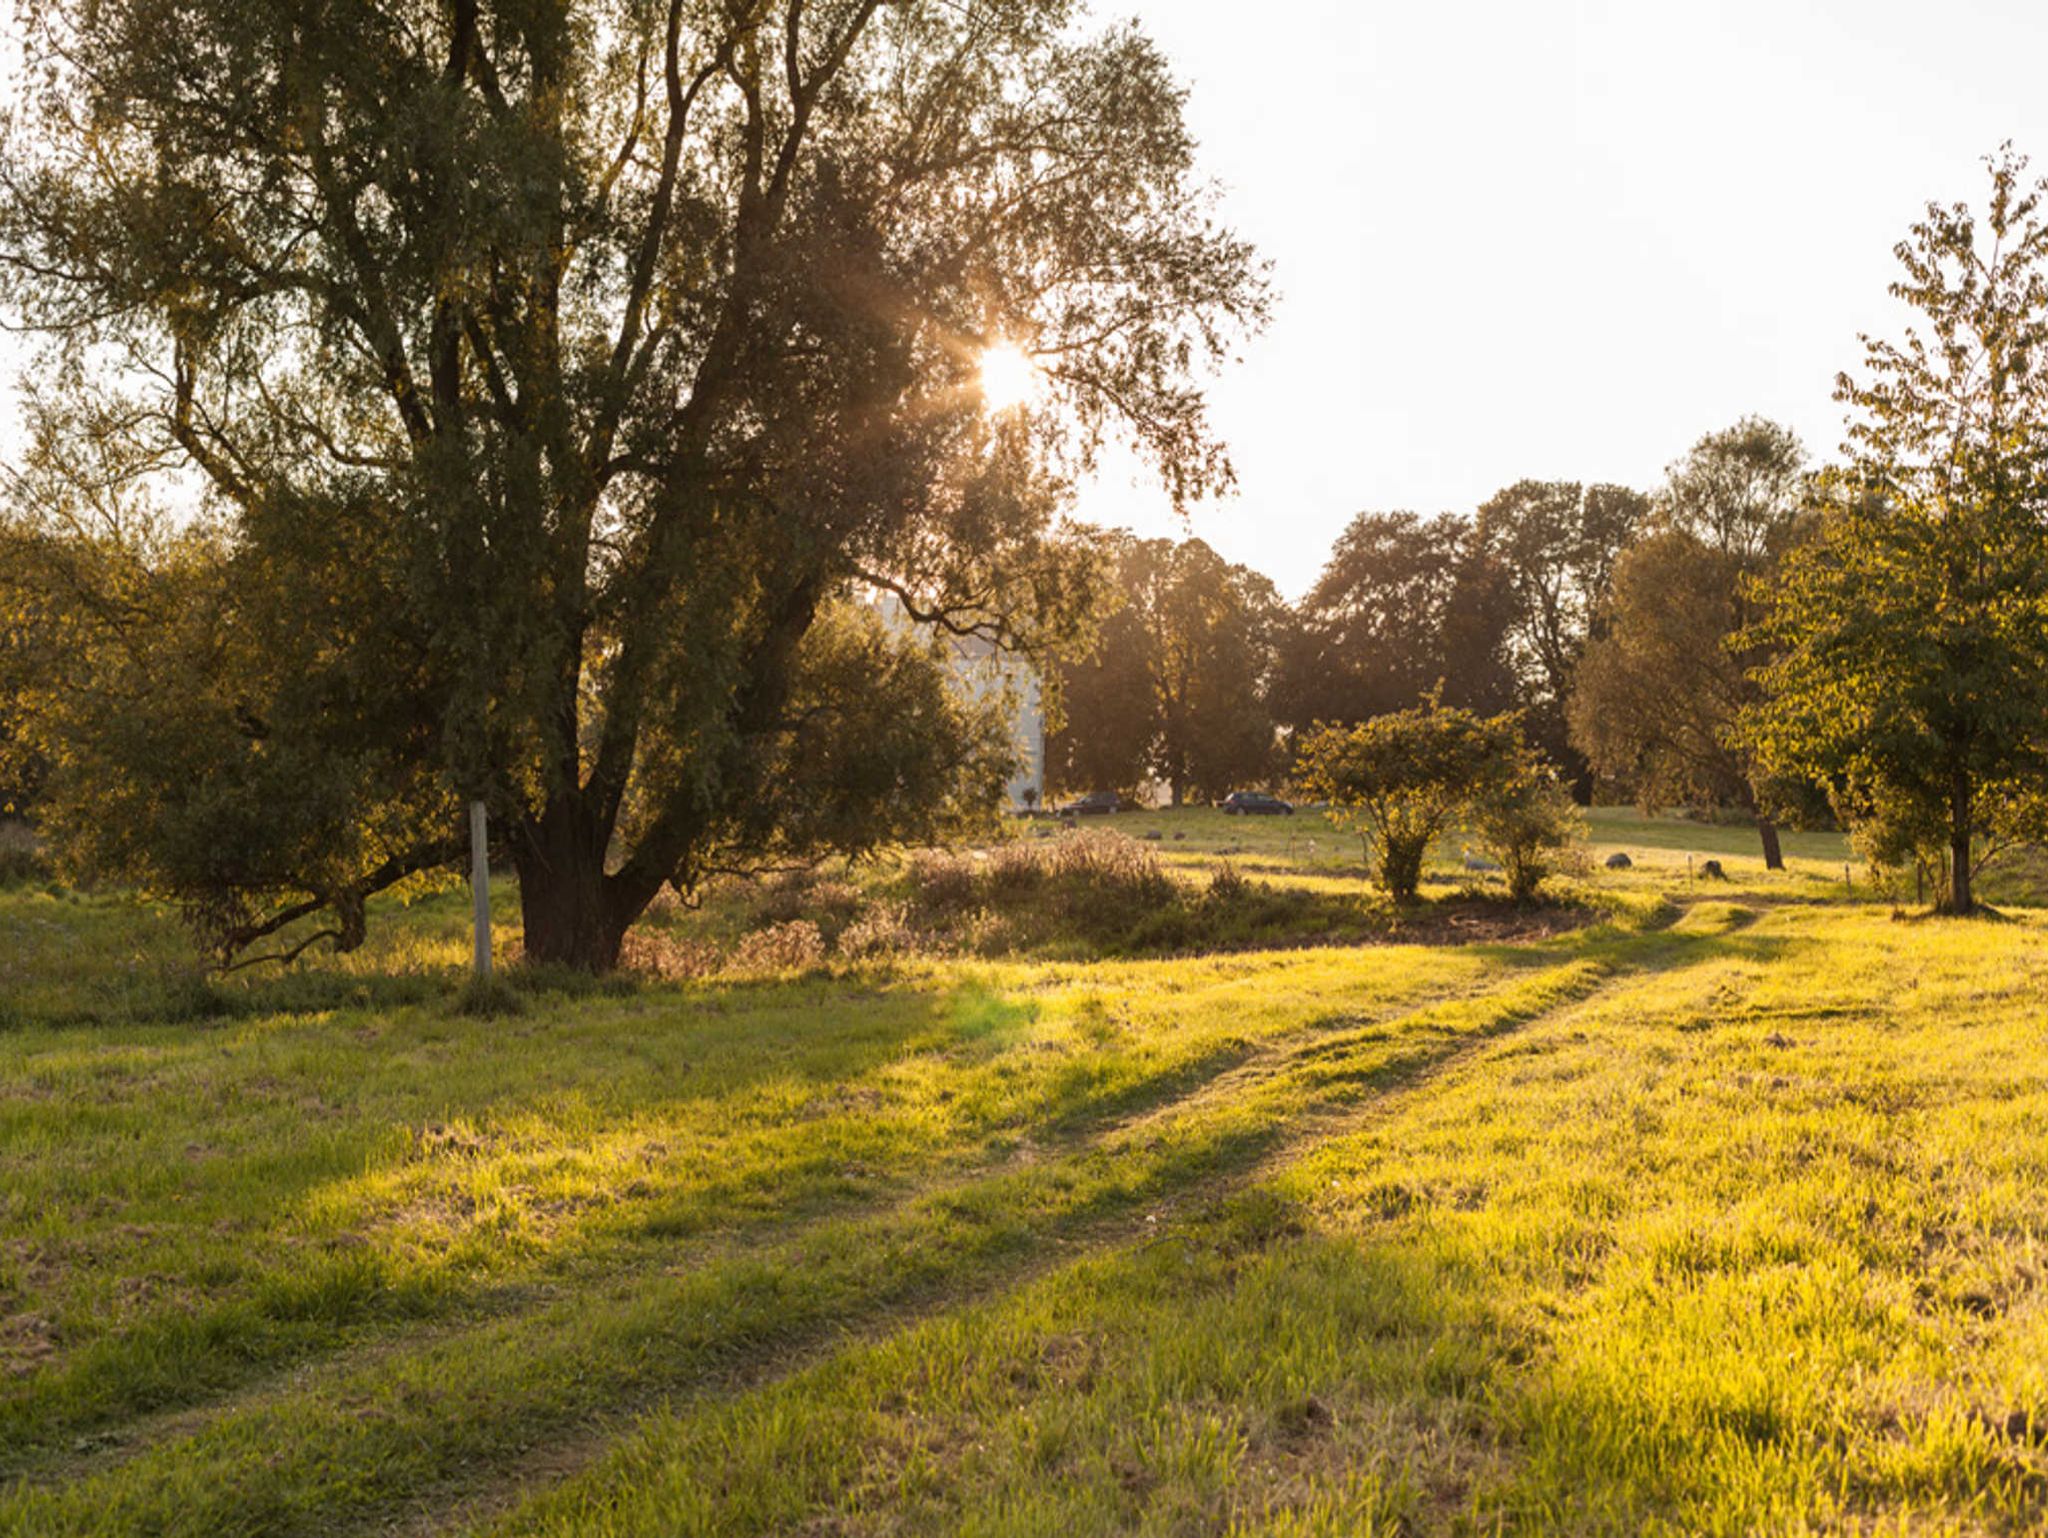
1737, 491
1556, 543
541, 385
1494, 610
1658, 690
1405, 604
1909, 636
1176, 687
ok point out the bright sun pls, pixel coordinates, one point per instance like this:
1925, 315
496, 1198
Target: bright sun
1008, 377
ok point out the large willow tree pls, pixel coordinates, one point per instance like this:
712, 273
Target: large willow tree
451, 400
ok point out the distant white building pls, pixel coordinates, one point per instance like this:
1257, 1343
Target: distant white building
984, 671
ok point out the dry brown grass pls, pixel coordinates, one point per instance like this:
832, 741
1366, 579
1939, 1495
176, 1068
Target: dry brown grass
882, 930
796, 946
944, 881
660, 952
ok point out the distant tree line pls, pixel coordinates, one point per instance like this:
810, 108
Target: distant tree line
1596, 613
1867, 640
1177, 684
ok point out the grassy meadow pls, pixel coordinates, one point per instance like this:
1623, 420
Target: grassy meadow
966, 1201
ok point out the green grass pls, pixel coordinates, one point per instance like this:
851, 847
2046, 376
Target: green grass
1724, 1213
1306, 843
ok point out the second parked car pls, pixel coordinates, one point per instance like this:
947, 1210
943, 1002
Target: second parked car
1097, 803
1255, 803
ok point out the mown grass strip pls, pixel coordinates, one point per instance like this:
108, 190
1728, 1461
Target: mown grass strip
1225, 1376
929, 1115
364, 1441
1687, 1257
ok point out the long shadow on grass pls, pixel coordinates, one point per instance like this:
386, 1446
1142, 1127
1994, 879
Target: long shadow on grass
1339, 1083
313, 1300
363, 1440
325, 1302
310, 1460
1297, 1333
322, 1303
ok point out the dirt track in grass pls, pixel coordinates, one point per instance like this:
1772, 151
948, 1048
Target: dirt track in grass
1722, 1212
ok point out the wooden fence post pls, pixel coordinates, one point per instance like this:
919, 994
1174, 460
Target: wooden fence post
480, 884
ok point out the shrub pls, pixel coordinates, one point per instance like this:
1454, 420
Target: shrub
1108, 885
781, 897
983, 932
1098, 882
1227, 886
1016, 870
1526, 820
836, 903
1402, 779
1109, 862
658, 953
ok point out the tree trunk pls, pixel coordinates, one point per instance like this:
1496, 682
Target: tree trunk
1774, 856
1960, 899
564, 896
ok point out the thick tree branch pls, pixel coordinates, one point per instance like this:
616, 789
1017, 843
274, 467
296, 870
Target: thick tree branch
621, 372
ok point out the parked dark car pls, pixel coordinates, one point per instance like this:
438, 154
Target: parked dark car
1097, 803
1255, 803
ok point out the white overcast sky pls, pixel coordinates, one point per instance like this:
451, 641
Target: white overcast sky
1535, 238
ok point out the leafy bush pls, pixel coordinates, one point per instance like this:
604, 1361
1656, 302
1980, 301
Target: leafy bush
1402, 779
1526, 819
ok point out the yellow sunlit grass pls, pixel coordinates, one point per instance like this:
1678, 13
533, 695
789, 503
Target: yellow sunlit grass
1719, 1214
